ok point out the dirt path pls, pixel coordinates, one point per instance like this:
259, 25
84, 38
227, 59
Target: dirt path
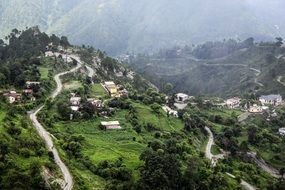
46, 136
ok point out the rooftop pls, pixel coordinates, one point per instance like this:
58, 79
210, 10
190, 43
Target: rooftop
106, 123
271, 97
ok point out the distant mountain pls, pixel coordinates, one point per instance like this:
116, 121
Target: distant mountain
118, 26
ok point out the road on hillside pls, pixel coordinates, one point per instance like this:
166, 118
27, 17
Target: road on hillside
68, 181
264, 166
210, 156
258, 72
279, 79
91, 73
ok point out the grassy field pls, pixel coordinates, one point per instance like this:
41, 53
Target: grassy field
113, 144
44, 72
98, 90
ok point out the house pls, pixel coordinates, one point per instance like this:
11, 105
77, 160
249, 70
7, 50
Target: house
49, 54
255, 109
111, 88
111, 125
273, 99
29, 84
75, 101
12, 96
282, 131
95, 103
181, 98
233, 103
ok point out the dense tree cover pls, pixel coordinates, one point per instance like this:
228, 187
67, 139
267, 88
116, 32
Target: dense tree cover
21, 152
19, 57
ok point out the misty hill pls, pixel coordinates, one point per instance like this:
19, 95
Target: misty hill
222, 69
126, 25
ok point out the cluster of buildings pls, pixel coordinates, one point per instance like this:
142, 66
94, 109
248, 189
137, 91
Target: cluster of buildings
115, 90
13, 96
265, 100
75, 102
65, 57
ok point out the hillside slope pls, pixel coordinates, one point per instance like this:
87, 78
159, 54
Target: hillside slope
249, 70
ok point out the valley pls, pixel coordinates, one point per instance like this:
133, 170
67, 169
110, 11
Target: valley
107, 127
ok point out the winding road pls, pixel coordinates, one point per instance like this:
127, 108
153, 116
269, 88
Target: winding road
214, 158
46, 136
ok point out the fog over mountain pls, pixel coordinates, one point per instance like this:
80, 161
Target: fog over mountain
118, 26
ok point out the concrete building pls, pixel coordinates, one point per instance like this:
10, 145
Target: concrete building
181, 98
255, 109
233, 103
111, 125
273, 99
111, 88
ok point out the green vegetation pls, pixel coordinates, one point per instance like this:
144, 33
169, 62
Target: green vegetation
22, 153
98, 90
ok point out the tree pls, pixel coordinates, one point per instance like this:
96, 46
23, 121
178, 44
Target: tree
155, 108
168, 88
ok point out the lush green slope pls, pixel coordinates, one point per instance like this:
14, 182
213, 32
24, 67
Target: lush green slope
125, 25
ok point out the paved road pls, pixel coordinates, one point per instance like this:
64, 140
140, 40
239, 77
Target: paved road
47, 137
214, 161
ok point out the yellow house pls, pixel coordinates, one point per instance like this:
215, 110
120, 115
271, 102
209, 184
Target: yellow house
112, 88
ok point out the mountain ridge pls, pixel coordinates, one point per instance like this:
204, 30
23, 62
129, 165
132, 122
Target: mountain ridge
120, 26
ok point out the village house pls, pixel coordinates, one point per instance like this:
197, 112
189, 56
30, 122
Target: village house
282, 131
95, 103
49, 54
181, 98
255, 109
273, 99
111, 88
233, 103
111, 125
74, 102
12, 96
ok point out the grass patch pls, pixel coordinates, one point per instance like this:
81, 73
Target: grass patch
72, 85
98, 90
44, 72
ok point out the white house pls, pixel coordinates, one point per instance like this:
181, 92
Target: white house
75, 101
181, 98
111, 124
233, 103
273, 99
255, 109
282, 131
